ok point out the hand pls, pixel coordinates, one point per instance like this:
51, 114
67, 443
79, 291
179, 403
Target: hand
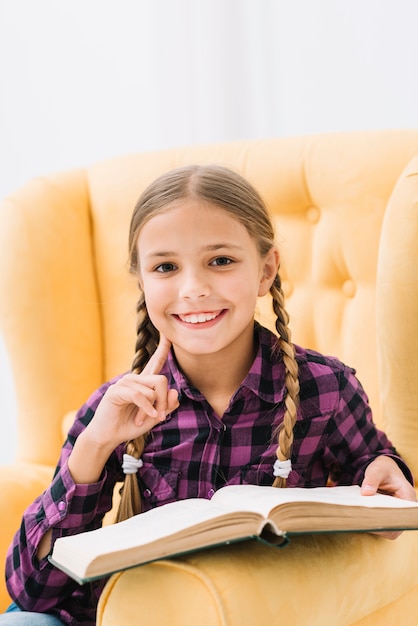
385, 476
135, 403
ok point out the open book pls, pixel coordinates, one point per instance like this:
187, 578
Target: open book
235, 513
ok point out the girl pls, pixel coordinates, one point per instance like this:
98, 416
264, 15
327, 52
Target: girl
213, 397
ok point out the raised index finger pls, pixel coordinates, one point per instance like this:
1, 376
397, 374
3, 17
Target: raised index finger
156, 362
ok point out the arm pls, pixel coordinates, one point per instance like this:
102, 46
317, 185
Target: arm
81, 491
362, 452
376, 464
63, 508
129, 408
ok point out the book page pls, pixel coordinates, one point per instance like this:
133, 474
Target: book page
170, 529
265, 499
142, 529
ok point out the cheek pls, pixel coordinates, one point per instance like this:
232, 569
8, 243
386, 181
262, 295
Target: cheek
156, 295
246, 285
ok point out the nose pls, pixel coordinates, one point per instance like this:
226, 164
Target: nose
194, 285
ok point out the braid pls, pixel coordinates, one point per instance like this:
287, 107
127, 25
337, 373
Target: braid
285, 432
147, 337
146, 344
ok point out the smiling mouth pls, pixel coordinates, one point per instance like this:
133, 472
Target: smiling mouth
198, 318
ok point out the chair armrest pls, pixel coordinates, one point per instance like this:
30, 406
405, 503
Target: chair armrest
19, 486
316, 579
397, 314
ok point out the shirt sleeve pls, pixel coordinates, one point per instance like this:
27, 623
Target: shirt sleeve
354, 440
67, 509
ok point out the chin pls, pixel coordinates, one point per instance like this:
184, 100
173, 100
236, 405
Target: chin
197, 348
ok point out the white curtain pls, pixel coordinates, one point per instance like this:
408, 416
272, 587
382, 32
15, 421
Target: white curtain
84, 80
88, 79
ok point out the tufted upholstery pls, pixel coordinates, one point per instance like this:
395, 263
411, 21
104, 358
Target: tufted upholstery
346, 210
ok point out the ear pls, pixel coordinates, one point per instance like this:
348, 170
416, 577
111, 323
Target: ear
269, 268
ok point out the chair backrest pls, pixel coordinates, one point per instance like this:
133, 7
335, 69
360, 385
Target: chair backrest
67, 306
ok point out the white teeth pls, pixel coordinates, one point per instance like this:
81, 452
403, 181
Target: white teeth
198, 318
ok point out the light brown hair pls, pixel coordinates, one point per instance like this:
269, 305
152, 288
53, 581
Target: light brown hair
227, 190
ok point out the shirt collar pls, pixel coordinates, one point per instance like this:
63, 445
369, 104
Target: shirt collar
266, 377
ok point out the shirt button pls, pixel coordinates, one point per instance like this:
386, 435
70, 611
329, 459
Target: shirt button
210, 493
147, 493
61, 506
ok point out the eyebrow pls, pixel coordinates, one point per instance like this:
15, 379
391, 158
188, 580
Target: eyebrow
208, 248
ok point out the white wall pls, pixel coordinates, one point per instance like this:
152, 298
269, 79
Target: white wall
84, 80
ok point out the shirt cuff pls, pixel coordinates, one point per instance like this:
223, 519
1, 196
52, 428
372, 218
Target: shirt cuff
69, 505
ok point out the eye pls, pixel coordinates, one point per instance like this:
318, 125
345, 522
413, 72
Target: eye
165, 268
222, 261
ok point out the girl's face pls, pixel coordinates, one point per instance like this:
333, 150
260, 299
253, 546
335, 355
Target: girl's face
201, 274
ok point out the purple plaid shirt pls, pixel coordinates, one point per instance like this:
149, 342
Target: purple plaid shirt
193, 453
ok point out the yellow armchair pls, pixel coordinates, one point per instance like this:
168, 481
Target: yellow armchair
346, 209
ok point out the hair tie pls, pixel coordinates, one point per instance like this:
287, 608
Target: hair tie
282, 469
130, 464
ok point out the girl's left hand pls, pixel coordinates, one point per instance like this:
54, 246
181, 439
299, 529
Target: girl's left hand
385, 476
